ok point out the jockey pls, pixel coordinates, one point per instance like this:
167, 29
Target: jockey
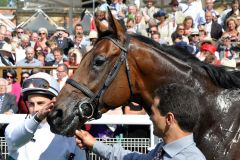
31, 138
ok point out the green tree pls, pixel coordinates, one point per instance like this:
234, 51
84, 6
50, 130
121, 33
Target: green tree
3, 3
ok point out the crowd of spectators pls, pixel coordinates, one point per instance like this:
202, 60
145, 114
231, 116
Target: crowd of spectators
212, 37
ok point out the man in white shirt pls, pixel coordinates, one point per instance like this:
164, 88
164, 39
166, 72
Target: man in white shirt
31, 138
192, 9
62, 74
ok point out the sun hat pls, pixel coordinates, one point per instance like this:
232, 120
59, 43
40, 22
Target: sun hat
160, 13
93, 34
6, 47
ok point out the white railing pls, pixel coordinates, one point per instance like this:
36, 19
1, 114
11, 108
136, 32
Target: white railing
106, 119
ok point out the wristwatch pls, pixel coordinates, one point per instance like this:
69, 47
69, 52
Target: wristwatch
37, 119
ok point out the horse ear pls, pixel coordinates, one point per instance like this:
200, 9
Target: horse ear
100, 27
117, 28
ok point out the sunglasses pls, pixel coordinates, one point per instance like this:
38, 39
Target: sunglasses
35, 83
25, 77
11, 77
152, 31
226, 38
41, 33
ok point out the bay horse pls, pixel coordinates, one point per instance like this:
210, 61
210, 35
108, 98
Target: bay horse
127, 67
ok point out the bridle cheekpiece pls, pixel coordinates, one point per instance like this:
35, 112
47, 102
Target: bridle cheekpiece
88, 107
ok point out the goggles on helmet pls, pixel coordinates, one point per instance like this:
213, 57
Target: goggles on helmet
36, 83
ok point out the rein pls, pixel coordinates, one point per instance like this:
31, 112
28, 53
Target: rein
88, 107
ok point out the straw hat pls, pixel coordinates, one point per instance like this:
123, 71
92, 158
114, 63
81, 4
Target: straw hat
195, 31
6, 47
93, 34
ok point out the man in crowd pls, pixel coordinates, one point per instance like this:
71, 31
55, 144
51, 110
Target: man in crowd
29, 60
20, 32
213, 29
58, 59
62, 40
6, 57
31, 139
62, 74
78, 29
8, 103
175, 113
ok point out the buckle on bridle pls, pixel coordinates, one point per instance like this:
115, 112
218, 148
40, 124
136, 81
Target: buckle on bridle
87, 110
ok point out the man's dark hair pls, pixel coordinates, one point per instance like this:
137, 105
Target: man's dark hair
65, 68
175, 36
58, 49
78, 25
182, 101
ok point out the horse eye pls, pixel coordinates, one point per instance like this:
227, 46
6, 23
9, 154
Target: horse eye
99, 61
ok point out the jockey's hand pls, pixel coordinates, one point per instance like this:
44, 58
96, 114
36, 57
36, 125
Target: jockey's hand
84, 139
43, 113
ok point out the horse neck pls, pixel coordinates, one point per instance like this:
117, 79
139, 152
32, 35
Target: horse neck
153, 69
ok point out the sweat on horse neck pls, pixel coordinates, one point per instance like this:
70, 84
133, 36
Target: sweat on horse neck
157, 67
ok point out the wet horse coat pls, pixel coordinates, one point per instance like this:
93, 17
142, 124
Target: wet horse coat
152, 65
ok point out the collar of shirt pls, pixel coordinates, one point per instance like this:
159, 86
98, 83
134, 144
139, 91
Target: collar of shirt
64, 79
32, 61
57, 63
177, 146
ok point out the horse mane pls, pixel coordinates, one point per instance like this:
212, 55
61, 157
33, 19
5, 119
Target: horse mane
218, 74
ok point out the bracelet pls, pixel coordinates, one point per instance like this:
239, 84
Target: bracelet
37, 119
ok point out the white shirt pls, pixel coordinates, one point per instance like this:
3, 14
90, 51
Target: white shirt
195, 12
20, 54
208, 27
29, 140
62, 82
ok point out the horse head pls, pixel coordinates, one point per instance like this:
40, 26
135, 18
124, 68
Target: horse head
93, 89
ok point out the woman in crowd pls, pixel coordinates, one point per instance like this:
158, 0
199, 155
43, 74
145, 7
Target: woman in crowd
188, 25
232, 28
74, 59
235, 11
41, 43
165, 27
202, 33
14, 87
41, 57
22, 108
208, 54
101, 16
179, 31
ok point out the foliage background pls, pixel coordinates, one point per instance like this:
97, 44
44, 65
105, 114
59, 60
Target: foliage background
4, 3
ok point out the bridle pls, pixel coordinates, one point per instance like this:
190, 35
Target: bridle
88, 107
